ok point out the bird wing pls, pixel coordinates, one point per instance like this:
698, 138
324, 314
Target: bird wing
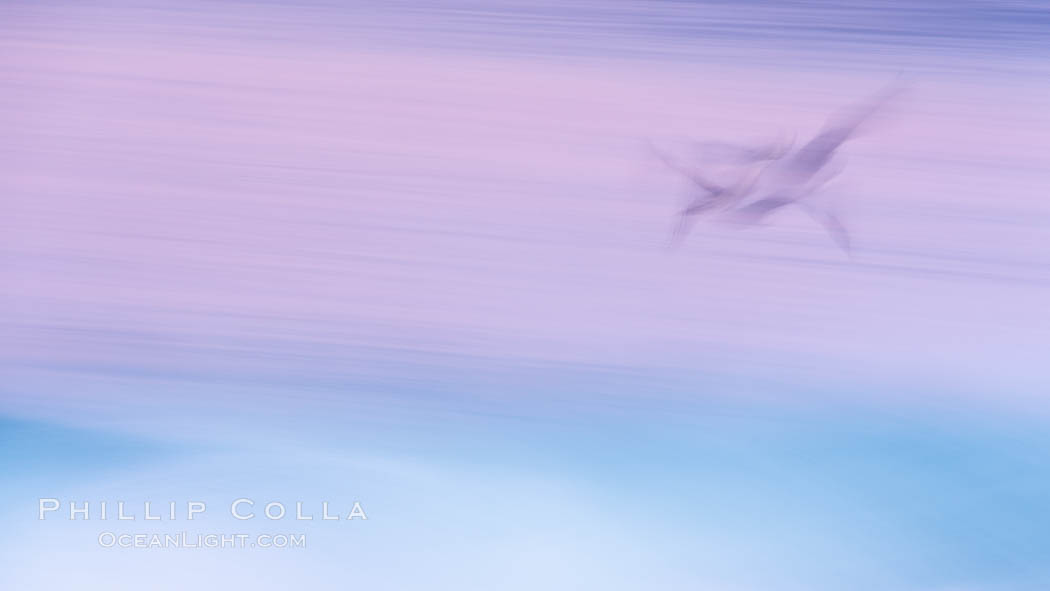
694, 176
839, 128
832, 223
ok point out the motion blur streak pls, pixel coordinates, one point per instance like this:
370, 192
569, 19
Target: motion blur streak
416, 253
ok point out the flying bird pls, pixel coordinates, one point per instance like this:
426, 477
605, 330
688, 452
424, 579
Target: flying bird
779, 176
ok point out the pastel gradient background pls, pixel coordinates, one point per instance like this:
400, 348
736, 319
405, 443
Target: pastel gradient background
414, 254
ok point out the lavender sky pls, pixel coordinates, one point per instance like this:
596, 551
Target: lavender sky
416, 254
